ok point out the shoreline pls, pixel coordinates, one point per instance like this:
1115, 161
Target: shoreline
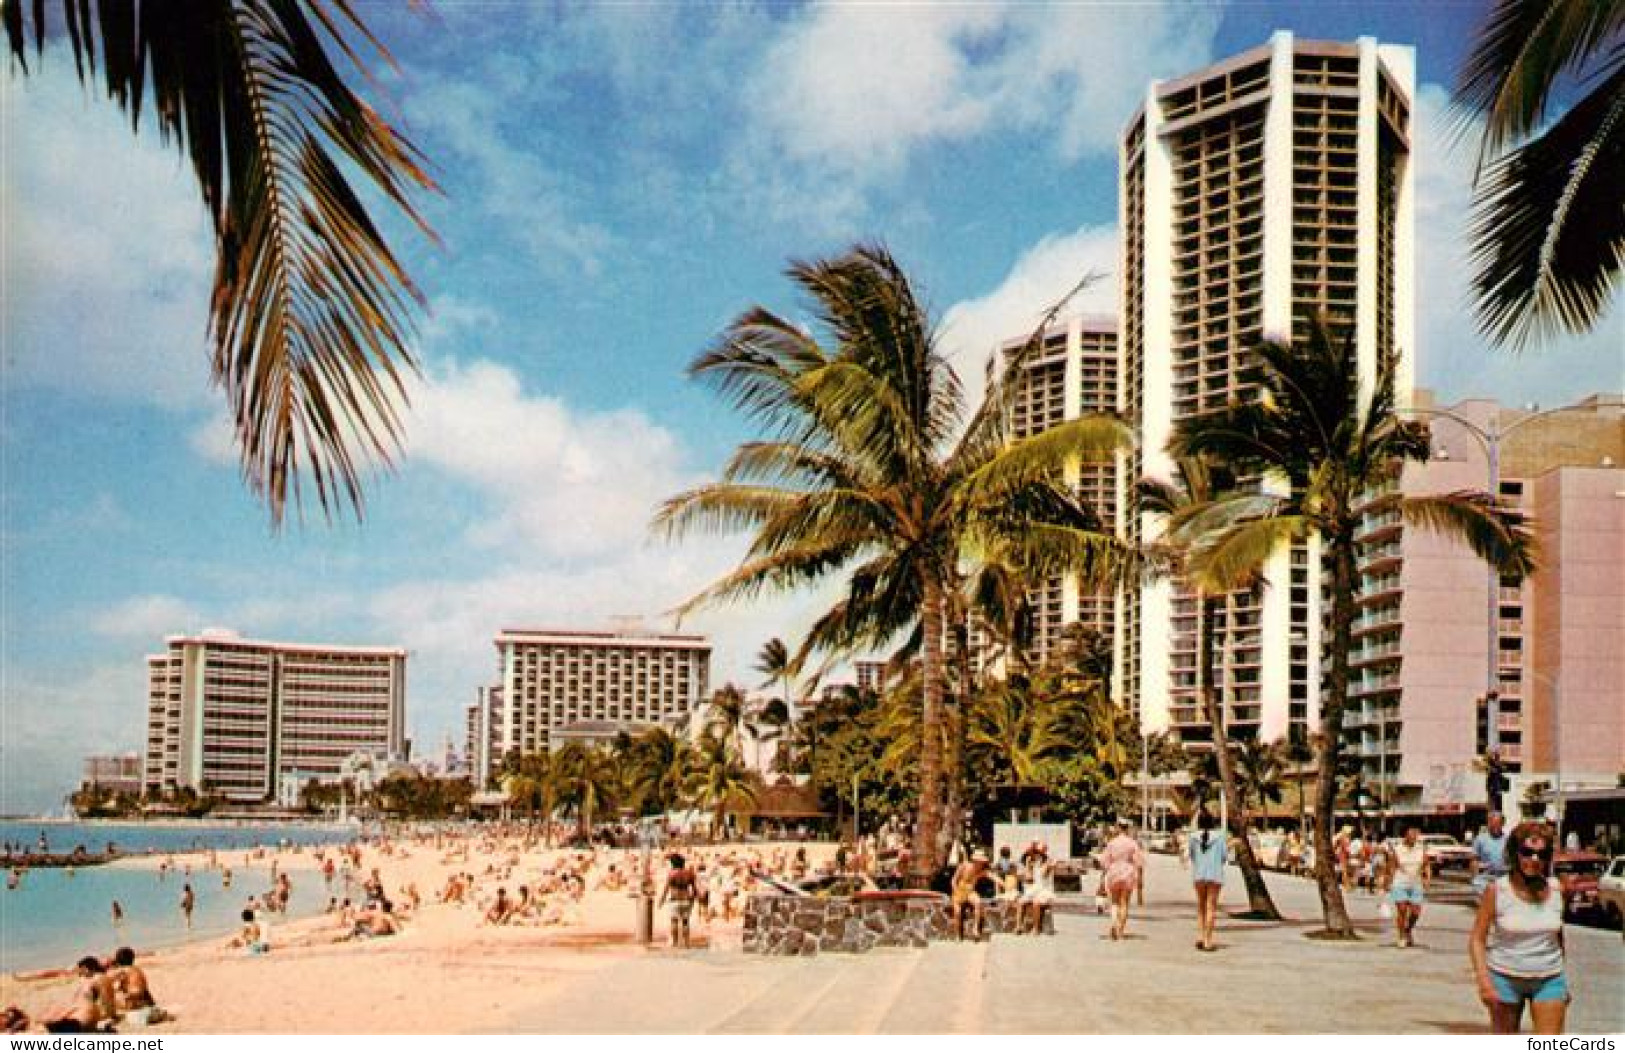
477, 972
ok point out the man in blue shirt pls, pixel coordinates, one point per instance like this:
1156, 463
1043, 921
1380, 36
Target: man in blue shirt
1489, 853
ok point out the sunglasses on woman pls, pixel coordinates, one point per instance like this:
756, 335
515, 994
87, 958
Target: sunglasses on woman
1534, 853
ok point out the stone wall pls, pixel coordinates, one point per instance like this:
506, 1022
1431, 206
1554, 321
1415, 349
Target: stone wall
780, 924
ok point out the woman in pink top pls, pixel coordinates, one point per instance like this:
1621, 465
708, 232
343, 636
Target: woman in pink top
1120, 863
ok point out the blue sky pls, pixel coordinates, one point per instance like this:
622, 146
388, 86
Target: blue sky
620, 181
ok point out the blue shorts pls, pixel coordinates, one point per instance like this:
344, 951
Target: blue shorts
1516, 990
1406, 894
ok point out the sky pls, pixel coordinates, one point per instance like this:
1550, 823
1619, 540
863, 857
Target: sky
620, 181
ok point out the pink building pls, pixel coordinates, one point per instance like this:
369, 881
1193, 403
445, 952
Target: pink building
1574, 702
1432, 639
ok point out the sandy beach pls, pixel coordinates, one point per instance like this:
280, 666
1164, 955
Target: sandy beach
447, 971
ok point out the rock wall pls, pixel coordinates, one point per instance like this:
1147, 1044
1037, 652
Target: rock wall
779, 924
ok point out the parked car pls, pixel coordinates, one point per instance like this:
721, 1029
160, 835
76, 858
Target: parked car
1611, 892
1579, 875
1267, 847
1446, 853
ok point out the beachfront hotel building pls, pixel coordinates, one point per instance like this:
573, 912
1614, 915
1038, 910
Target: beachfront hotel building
1072, 373
562, 685
1254, 194
1431, 640
241, 718
482, 726
115, 772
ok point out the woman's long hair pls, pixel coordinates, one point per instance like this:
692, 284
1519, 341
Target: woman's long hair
1205, 823
1522, 834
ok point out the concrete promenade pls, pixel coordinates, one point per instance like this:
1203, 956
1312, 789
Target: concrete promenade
1264, 978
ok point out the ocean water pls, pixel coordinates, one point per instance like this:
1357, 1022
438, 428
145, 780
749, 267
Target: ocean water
56, 916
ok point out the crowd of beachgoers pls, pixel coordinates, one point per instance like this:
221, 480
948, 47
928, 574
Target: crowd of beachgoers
449, 885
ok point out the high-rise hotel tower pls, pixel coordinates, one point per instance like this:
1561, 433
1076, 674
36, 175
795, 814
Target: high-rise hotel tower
1072, 373
1254, 194
241, 717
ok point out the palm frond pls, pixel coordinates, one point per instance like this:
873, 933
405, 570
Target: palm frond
311, 314
1548, 229
1092, 440
1497, 534
1520, 52
721, 508
1233, 559
776, 573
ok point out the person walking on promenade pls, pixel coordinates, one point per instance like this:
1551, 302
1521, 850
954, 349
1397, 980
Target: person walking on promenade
1207, 850
1121, 863
1516, 945
1408, 875
1489, 860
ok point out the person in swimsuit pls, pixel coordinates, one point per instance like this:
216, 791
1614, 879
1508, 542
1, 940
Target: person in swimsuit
964, 898
92, 1001
681, 887
130, 989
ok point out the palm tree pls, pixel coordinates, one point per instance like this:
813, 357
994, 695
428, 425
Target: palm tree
1298, 751
1328, 442
875, 471
1548, 229
660, 764
777, 666
586, 782
311, 314
532, 782
719, 778
1259, 772
1197, 484
1020, 725
725, 715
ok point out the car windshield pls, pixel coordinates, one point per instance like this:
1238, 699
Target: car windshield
1580, 867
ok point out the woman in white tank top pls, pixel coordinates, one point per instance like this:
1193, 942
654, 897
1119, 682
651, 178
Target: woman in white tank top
1517, 941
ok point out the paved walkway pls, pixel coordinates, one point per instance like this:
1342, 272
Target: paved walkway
1265, 978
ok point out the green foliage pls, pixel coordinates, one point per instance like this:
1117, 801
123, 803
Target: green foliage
420, 797
874, 470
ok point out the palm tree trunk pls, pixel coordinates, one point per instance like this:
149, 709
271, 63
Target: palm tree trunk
1259, 903
1327, 879
953, 810
928, 848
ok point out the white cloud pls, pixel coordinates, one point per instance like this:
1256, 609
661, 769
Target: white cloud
147, 618
530, 203
1452, 357
52, 719
972, 329
849, 93
106, 253
560, 482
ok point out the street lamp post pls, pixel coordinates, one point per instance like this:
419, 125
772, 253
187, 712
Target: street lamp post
1489, 440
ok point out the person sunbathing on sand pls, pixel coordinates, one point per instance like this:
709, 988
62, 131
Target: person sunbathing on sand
130, 990
500, 909
93, 1002
251, 937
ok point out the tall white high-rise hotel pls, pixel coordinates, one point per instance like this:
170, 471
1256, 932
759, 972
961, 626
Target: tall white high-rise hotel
1254, 193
